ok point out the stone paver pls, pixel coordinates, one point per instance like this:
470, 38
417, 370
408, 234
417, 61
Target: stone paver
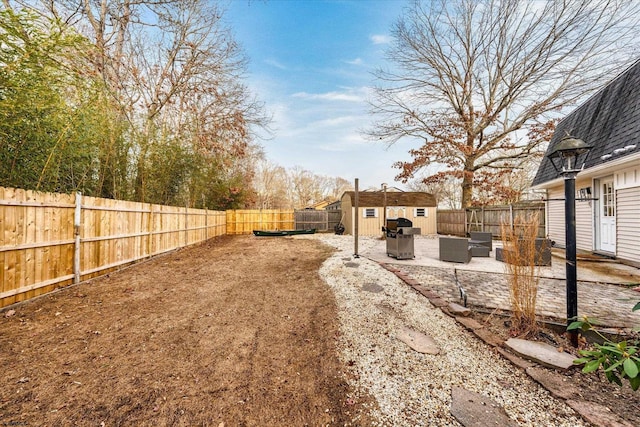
609, 304
418, 341
541, 353
475, 410
600, 295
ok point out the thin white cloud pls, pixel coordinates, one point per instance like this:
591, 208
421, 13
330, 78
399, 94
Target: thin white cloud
380, 39
357, 61
330, 96
275, 63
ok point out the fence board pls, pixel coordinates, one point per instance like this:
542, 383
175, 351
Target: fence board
245, 221
489, 219
37, 237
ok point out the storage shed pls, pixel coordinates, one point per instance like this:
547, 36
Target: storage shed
418, 207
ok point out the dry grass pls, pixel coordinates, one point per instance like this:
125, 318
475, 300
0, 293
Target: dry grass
519, 255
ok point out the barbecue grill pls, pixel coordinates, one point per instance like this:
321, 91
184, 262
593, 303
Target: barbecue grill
400, 232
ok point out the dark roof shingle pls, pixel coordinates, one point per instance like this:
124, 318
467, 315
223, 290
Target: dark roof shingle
608, 120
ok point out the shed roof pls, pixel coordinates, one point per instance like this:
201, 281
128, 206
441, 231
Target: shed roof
609, 120
405, 198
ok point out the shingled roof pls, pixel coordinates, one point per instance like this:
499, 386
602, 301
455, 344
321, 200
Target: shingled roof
370, 199
609, 120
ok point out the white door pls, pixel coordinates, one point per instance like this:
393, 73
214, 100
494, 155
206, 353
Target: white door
607, 216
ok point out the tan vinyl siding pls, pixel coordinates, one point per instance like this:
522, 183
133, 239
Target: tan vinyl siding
628, 224
584, 217
347, 213
373, 226
427, 224
584, 228
555, 216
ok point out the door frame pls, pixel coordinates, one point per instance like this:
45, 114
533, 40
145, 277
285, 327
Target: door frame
598, 213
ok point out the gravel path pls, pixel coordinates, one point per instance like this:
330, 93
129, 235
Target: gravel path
413, 389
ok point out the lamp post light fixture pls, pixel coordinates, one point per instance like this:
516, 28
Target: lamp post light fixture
565, 159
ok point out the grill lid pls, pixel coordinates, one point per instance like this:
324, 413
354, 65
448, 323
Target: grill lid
395, 223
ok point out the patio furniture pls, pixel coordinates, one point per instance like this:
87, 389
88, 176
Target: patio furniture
542, 252
481, 238
454, 249
479, 251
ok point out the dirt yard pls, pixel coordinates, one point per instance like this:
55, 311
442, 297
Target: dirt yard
238, 331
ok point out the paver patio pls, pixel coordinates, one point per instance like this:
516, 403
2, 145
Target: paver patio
606, 297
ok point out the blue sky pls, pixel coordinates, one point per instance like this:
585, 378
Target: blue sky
311, 63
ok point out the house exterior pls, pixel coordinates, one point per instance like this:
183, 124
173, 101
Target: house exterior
418, 207
608, 188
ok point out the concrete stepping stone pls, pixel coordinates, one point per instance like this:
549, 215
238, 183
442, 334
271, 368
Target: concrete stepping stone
372, 287
475, 410
418, 341
541, 353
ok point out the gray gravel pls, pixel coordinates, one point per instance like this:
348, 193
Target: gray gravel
413, 389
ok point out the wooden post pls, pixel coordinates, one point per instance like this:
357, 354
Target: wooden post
355, 222
384, 207
511, 216
186, 225
76, 234
150, 242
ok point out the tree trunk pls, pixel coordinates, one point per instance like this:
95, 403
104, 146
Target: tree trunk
467, 188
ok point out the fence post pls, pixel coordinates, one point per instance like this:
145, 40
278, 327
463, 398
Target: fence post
511, 216
186, 225
150, 243
76, 234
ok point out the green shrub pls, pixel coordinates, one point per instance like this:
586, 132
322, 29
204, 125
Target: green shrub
619, 361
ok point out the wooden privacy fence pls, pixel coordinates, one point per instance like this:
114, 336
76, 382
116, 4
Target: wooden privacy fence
51, 240
460, 222
245, 221
320, 220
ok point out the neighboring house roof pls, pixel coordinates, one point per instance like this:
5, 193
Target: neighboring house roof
404, 198
608, 121
319, 205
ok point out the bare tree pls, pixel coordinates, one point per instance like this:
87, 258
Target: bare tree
446, 192
270, 185
174, 72
478, 83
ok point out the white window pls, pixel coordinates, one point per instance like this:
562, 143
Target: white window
370, 212
420, 212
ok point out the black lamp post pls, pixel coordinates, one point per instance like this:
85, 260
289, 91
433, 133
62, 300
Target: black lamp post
566, 154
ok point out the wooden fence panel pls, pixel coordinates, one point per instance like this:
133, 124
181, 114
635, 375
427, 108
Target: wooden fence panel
40, 249
488, 219
245, 221
310, 218
36, 243
450, 222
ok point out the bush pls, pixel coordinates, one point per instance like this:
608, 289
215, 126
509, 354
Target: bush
619, 361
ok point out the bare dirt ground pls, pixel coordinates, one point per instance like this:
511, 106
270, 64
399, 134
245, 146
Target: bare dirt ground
238, 331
